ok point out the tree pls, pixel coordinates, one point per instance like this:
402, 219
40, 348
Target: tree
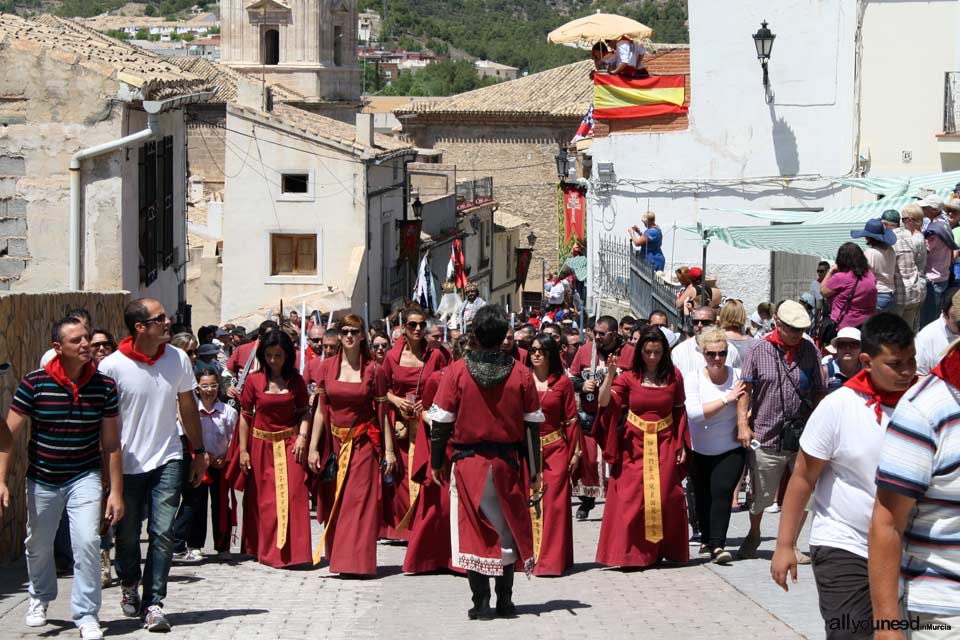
188, 37
150, 10
142, 34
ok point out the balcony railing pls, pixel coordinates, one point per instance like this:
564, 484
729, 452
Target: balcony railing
951, 101
474, 192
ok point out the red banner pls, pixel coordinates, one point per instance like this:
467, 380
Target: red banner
459, 275
410, 239
524, 256
574, 211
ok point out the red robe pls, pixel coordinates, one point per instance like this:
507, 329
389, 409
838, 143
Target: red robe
559, 407
274, 412
623, 534
350, 534
400, 382
429, 546
492, 415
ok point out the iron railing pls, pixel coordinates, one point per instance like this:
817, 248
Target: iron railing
649, 293
474, 192
612, 277
951, 101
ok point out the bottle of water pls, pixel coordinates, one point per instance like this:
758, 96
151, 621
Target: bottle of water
387, 477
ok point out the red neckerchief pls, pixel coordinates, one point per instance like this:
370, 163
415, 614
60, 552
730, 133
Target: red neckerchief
126, 348
777, 340
55, 370
949, 368
863, 384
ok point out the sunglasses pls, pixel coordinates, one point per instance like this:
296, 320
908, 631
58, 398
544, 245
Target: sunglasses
101, 345
350, 331
315, 339
416, 325
600, 334
379, 345
702, 323
536, 350
715, 354
159, 319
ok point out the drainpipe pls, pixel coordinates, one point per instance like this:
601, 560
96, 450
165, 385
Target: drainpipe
154, 109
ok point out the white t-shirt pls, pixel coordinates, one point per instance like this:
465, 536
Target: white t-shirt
931, 342
844, 431
47, 356
148, 406
718, 434
627, 52
688, 357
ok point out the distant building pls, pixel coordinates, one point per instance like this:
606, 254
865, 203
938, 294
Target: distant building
368, 28
487, 69
198, 25
68, 88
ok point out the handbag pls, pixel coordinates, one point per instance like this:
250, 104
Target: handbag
792, 428
829, 328
330, 469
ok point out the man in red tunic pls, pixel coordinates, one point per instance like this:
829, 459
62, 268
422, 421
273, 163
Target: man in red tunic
587, 371
500, 426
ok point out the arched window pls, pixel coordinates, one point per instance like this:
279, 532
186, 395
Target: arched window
271, 47
337, 47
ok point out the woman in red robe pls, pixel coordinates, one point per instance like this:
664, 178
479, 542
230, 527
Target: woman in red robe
560, 454
351, 390
429, 545
272, 455
407, 367
645, 517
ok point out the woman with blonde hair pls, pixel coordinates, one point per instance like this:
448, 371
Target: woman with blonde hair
650, 241
732, 320
718, 459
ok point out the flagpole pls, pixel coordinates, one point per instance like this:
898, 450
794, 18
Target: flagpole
303, 336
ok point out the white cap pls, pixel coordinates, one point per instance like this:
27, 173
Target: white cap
933, 201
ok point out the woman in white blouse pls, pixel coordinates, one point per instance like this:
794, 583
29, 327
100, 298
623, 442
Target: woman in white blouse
718, 458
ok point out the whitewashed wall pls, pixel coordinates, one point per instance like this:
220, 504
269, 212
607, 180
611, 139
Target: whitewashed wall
736, 138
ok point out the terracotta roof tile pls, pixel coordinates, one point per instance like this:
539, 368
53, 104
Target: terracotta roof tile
71, 43
225, 79
324, 128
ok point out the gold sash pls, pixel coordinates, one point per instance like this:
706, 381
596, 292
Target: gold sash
346, 436
279, 478
652, 509
537, 522
412, 426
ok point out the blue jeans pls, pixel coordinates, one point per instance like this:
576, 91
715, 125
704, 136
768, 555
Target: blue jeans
81, 499
160, 488
885, 302
930, 310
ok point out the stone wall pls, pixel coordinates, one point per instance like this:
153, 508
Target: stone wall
206, 144
522, 161
26, 319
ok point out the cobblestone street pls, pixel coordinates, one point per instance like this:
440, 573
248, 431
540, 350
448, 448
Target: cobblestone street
247, 600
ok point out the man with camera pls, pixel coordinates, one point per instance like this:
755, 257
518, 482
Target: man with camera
588, 369
784, 383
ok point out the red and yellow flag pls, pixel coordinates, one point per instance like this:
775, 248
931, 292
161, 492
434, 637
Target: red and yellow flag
619, 97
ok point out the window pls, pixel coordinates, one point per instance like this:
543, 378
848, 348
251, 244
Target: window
294, 183
155, 219
293, 254
338, 46
270, 50
484, 241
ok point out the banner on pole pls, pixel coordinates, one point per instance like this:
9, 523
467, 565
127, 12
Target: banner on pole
524, 257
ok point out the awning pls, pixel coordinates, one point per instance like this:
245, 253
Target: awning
905, 185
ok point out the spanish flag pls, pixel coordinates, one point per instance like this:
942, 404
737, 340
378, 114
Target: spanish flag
618, 97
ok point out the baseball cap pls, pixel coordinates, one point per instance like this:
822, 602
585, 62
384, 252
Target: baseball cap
208, 350
793, 314
808, 298
891, 215
695, 273
933, 201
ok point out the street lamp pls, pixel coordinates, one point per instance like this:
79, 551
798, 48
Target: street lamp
561, 163
763, 40
418, 207
475, 223
531, 238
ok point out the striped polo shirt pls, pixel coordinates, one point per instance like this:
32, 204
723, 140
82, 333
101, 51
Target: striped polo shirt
65, 437
921, 459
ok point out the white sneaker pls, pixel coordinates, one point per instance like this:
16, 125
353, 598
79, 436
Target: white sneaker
194, 555
90, 631
774, 508
36, 613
